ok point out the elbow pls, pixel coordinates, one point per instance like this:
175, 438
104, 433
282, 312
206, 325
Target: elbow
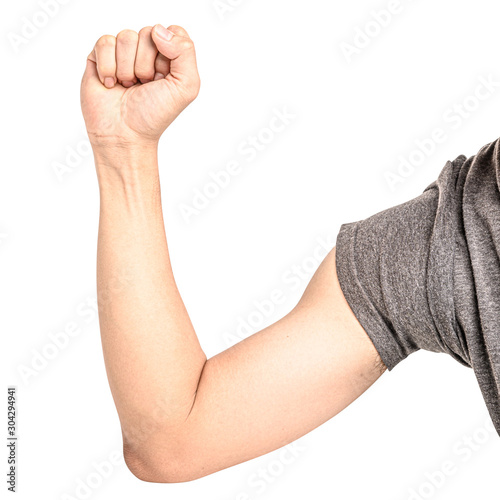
152, 472
158, 466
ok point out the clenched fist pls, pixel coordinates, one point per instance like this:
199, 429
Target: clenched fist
136, 84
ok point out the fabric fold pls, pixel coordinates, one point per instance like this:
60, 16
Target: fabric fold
425, 274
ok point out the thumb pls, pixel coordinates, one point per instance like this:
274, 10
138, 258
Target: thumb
174, 43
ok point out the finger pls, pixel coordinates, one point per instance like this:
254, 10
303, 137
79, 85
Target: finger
105, 59
162, 66
178, 48
146, 56
126, 50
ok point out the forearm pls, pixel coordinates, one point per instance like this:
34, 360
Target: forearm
184, 416
152, 355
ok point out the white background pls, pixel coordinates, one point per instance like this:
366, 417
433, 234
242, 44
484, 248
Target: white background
352, 122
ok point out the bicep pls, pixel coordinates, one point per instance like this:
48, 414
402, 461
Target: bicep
282, 382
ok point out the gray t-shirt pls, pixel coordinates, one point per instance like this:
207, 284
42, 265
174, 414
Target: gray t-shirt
425, 274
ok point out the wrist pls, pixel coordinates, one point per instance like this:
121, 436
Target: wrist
128, 172
122, 153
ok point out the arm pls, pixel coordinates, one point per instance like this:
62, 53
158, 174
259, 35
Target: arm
183, 416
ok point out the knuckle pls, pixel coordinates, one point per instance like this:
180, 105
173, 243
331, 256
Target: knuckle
146, 31
127, 36
197, 89
186, 44
178, 30
106, 41
175, 28
193, 89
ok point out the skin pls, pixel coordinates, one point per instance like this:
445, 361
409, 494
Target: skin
184, 416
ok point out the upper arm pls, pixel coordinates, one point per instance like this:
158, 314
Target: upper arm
278, 384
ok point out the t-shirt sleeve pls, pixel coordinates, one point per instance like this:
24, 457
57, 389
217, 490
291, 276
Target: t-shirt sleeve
425, 274
395, 269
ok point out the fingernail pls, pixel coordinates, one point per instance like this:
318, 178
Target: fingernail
163, 32
159, 76
109, 82
128, 84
